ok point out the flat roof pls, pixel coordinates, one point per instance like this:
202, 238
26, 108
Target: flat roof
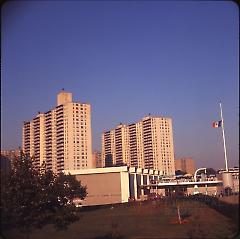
97, 170
135, 170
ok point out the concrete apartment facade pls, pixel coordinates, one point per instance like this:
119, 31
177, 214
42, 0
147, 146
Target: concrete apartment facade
60, 138
186, 165
145, 144
96, 159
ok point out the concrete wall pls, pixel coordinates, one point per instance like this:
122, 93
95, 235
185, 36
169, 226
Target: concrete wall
125, 186
104, 188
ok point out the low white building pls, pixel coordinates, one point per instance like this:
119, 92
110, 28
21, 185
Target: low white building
114, 184
120, 184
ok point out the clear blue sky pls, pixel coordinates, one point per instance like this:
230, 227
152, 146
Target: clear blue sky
127, 59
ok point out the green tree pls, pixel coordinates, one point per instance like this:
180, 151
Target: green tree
31, 198
211, 171
180, 172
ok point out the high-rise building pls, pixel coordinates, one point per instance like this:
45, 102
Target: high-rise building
97, 159
185, 165
145, 144
60, 139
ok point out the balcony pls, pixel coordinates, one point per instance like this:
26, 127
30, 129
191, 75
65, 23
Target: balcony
59, 108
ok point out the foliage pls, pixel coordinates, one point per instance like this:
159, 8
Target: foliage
180, 172
211, 171
32, 199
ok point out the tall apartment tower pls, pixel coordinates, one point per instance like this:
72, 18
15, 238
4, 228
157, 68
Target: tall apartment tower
60, 138
145, 144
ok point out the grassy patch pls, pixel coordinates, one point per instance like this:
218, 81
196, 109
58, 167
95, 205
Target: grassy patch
156, 219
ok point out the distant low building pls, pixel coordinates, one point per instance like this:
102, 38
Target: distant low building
7, 157
5, 164
186, 165
11, 154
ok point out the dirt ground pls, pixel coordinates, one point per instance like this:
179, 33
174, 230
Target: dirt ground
234, 199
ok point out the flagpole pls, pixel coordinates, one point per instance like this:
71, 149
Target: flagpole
224, 141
